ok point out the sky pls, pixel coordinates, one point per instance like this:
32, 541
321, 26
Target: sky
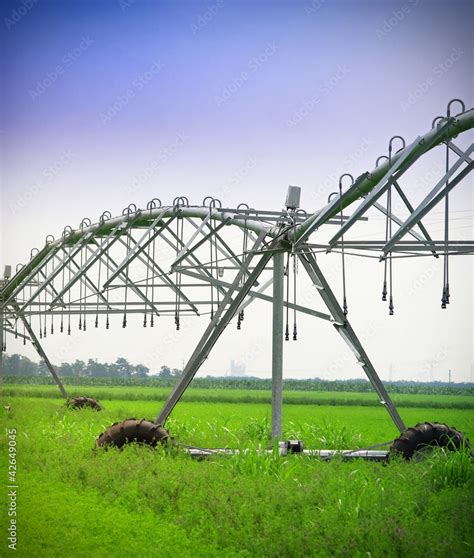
119, 101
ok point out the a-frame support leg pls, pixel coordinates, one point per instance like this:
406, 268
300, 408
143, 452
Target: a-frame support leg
39, 349
344, 328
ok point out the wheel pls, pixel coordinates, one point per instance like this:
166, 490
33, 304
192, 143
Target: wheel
81, 402
426, 434
133, 430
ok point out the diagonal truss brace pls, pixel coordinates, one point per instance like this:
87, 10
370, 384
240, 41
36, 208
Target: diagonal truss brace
34, 271
434, 197
164, 277
406, 201
186, 250
225, 312
138, 248
384, 183
96, 255
399, 222
85, 280
192, 256
111, 265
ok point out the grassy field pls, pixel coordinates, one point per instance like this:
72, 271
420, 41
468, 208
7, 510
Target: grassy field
205, 395
73, 501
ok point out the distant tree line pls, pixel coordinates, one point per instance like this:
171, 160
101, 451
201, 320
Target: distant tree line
21, 370
19, 365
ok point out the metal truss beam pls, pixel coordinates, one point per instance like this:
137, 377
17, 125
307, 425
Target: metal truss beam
454, 246
95, 256
398, 221
140, 245
16, 334
389, 177
112, 265
434, 197
458, 151
50, 250
259, 295
225, 312
164, 277
199, 228
408, 205
85, 280
450, 128
198, 265
186, 251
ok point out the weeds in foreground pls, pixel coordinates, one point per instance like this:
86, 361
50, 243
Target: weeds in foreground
450, 469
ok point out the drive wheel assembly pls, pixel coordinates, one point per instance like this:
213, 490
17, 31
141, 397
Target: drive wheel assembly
133, 430
415, 441
84, 402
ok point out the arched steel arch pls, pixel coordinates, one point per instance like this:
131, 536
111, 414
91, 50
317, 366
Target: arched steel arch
115, 266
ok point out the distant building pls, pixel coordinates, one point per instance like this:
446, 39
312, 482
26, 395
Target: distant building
237, 368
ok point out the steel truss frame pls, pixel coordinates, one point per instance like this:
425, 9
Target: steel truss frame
87, 260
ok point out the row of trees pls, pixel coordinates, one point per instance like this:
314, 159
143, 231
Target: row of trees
19, 365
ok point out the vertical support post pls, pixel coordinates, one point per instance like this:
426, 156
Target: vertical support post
277, 345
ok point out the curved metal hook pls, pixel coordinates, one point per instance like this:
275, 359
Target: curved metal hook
67, 230
86, 222
32, 255
18, 267
106, 215
131, 208
390, 144
435, 120
152, 203
340, 181
379, 158
181, 201
213, 203
241, 205
49, 239
331, 195
460, 101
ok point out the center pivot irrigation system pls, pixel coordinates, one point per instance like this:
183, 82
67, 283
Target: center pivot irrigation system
183, 260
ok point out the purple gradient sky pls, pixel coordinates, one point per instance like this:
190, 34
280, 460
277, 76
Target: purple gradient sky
245, 98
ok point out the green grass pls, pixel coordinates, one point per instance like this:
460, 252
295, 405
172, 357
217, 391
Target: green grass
141, 503
219, 395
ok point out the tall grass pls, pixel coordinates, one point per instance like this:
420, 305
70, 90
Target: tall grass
450, 469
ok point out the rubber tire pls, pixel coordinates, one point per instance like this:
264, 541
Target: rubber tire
82, 402
133, 430
414, 439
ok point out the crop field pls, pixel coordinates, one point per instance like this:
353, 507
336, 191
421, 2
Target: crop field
74, 501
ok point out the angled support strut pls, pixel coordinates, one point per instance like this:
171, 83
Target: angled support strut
39, 349
344, 329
